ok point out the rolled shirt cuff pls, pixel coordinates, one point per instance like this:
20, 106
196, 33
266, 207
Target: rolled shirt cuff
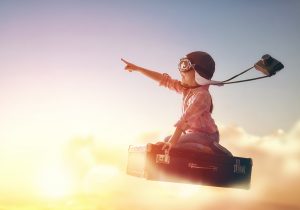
164, 80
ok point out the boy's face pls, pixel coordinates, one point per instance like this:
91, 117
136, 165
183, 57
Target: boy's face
187, 72
188, 77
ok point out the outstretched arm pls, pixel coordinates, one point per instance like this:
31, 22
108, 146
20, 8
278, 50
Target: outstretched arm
156, 76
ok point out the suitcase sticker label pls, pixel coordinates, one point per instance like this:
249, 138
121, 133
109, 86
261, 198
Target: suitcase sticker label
238, 168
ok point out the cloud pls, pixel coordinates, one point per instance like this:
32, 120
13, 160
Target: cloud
276, 157
146, 137
275, 175
102, 183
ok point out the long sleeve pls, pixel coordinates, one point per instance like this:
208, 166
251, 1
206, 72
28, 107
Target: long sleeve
172, 84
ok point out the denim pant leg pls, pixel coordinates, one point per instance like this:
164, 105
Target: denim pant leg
197, 141
199, 138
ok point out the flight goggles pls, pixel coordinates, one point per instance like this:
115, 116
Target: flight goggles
185, 65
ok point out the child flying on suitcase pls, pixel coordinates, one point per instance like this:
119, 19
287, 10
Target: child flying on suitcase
196, 125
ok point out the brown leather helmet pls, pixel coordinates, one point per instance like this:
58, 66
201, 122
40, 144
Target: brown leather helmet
204, 64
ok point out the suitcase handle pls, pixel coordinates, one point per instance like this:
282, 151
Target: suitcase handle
194, 165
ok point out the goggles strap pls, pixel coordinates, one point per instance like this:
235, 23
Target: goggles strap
243, 72
202, 81
245, 80
226, 82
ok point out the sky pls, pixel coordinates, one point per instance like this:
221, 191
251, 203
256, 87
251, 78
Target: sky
69, 110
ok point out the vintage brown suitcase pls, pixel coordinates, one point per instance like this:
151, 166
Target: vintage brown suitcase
187, 166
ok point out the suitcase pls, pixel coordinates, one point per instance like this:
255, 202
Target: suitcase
187, 166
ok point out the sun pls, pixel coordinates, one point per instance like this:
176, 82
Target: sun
55, 182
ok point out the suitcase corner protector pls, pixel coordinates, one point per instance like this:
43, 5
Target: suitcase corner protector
149, 147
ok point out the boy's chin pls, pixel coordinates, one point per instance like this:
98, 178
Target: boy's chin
184, 83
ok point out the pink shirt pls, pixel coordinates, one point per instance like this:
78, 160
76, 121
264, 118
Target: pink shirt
196, 116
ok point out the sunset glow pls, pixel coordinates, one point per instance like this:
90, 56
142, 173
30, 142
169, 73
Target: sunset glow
55, 182
69, 110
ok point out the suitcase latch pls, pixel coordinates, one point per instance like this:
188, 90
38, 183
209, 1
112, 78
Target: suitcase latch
165, 159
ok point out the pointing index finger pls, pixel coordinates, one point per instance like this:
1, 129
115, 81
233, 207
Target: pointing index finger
126, 62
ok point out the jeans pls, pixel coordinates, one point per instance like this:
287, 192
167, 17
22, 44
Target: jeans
197, 140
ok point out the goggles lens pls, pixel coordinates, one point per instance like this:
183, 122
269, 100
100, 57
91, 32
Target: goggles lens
185, 65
